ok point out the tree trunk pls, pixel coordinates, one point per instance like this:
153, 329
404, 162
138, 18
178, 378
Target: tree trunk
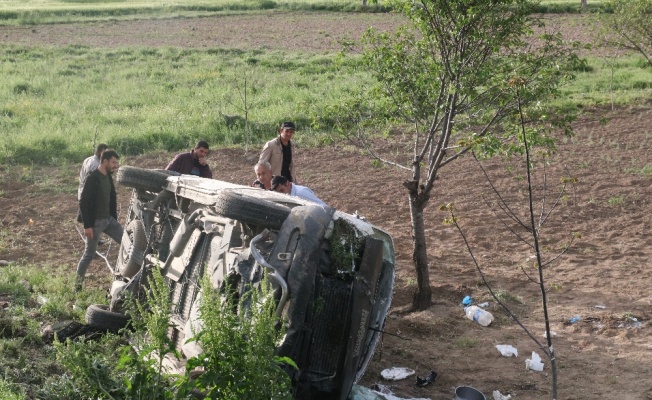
364, 3
583, 3
423, 296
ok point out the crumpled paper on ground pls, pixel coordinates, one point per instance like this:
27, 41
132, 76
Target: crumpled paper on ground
396, 373
507, 350
500, 396
535, 363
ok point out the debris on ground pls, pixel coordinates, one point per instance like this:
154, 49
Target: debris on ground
534, 363
507, 350
396, 373
426, 380
500, 396
630, 322
363, 393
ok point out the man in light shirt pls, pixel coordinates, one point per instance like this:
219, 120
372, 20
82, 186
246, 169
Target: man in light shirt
282, 185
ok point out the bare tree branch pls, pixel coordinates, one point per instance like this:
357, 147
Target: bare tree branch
484, 280
362, 142
505, 224
503, 203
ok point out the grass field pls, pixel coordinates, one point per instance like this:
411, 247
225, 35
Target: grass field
55, 102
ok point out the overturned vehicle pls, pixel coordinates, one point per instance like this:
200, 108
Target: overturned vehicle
333, 272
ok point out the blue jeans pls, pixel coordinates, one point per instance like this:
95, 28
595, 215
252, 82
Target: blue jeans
112, 228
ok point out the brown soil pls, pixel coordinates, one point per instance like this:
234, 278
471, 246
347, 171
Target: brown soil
298, 31
605, 355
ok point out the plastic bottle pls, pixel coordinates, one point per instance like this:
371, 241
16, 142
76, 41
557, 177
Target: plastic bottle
475, 313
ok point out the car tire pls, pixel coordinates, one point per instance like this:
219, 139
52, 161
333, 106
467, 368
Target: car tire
130, 255
168, 172
251, 210
99, 316
141, 178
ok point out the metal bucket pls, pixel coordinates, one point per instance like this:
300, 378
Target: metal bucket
468, 393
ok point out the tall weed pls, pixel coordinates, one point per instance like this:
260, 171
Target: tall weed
237, 361
238, 348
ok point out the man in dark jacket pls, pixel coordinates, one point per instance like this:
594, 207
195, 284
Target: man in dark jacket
98, 206
193, 162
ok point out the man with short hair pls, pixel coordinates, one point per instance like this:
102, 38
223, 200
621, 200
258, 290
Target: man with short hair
192, 162
282, 185
99, 210
263, 174
280, 153
89, 165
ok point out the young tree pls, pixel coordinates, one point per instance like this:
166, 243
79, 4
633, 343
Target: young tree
245, 86
448, 76
527, 230
629, 26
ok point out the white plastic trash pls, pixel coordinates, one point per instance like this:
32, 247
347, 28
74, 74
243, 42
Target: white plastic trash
535, 363
363, 393
500, 396
507, 350
475, 313
396, 373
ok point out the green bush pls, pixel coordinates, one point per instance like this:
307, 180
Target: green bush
238, 348
238, 353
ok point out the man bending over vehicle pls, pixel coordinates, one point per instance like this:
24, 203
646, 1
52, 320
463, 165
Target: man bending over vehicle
192, 162
263, 172
282, 185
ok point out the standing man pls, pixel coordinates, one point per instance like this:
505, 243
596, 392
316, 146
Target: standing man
192, 162
99, 210
282, 185
89, 165
263, 174
279, 153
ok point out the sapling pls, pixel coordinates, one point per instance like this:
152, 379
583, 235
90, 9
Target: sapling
526, 231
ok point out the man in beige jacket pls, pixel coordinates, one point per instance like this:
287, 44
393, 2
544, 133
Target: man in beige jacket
280, 152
